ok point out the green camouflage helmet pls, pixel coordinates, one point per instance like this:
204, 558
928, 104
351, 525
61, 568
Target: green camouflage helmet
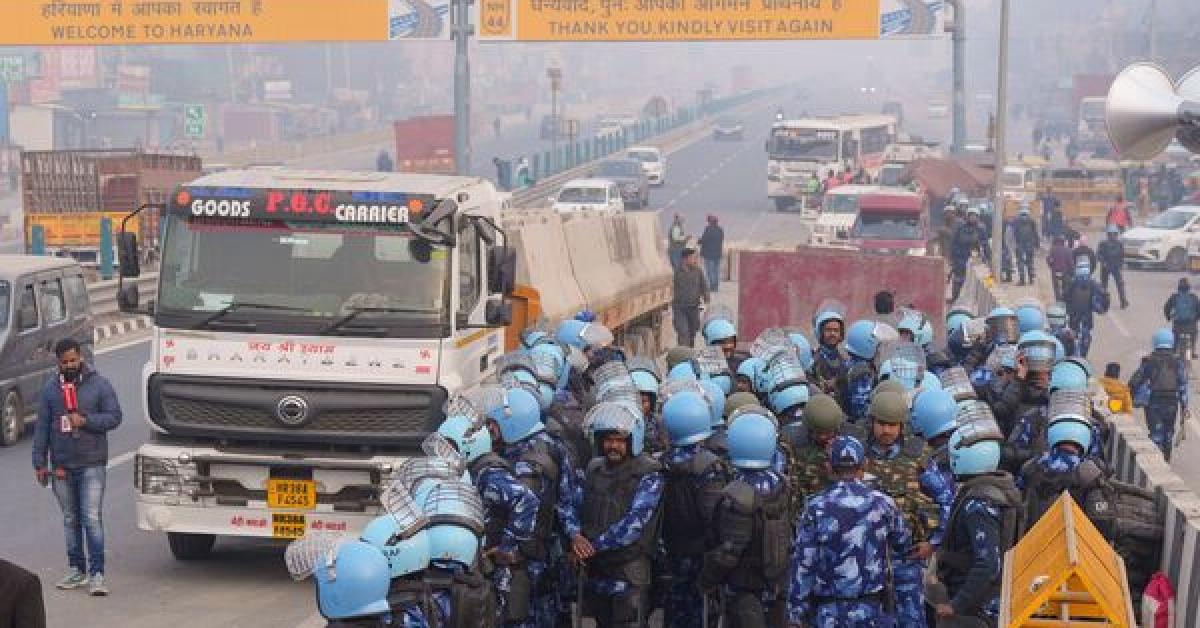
823, 413
888, 406
675, 355
739, 400
887, 385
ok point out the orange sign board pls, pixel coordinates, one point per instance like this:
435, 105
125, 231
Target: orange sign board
677, 20
131, 22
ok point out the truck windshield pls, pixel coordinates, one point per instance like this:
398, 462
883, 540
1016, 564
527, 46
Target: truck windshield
888, 226
840, 204
803, 144
582, 195
1012, 180
1171, 219
304, 274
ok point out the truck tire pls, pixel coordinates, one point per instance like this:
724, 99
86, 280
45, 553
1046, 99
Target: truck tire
1177, 260
12, 419
783, 203
190, 546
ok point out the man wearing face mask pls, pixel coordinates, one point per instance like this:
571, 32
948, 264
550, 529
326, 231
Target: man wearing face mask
77, 409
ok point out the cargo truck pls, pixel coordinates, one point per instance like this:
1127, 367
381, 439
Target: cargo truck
425, 144
309, 326
68, 192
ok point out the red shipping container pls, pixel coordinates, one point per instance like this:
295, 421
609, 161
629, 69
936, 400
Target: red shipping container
425, 144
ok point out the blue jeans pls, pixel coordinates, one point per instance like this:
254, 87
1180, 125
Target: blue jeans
712, 270
81, 497
1160, 421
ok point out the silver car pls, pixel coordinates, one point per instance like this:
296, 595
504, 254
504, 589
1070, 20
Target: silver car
630, 179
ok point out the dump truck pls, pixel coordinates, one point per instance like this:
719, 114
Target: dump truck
69, 192
309, 327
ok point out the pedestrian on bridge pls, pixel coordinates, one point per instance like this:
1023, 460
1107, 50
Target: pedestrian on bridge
676, 240
691, 292
712, 245
77, 409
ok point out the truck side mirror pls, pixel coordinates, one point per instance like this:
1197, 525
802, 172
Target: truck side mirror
127, 254
498, 312
502, 270
128, 297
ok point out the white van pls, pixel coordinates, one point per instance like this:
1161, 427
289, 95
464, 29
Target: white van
653, 163
839, 211
582, 196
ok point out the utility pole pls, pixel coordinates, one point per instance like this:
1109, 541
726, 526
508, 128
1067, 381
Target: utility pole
462, 31
959, 41
555, 75
1154, 31
1001, 143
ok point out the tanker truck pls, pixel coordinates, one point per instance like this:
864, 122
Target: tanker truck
309, 326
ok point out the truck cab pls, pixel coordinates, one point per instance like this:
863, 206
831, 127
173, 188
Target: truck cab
839, 212
892, 220
308, 328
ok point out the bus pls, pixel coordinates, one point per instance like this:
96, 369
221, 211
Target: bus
807, 148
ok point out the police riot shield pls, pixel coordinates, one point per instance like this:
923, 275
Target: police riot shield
752, 410
710, 362
314, 550
1070, 405
404, 510
957, 382
1002, 357
643, 363
904, 361
784, 370
1004, 329
455, 503
717, 313
976, 423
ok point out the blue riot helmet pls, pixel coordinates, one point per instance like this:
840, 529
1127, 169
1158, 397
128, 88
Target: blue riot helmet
934, 413
929, 381
804, 350
974, 447
904, 362
718, 330
608, 418
1036, 348
583, 336
788, 397
864, 337
688, 419
1163, 339
917, 324
352, 577
828, 310
644, 374
752, 441
1068, 376
751, 369
586, 316
785, 381
515, 411
683, 370
1003, 326
1029, 317
404, 554
455, 514
716, 401
1070, 432
557, 354
1083, 364
466, 427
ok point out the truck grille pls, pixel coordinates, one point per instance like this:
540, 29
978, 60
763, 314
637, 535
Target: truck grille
239, 409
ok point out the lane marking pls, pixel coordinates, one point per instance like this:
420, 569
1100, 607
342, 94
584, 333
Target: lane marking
1116, 321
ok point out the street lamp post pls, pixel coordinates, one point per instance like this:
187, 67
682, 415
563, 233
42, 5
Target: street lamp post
958, 37
462, 30
1001, 142
555, 75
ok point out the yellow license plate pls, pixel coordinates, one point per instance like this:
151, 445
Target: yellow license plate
287, 525
291, 494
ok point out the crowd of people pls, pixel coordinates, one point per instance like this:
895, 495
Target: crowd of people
851, 473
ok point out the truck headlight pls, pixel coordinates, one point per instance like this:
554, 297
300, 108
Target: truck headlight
160, 476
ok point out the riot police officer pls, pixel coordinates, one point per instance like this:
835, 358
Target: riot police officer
967, 238
695, 478
352, 588
824, 420
984, 523
620, 516
896, 461
934, 418
843, 542
1160, 386
862, 344
749, 559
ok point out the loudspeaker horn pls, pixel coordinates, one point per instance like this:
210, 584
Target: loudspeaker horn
1142, 111
1188, 88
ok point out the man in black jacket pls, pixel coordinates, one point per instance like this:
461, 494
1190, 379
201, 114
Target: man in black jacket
712, 244
21, 604
691, 292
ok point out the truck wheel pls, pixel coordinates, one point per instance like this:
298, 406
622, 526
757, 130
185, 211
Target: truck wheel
190, 546
1177, 260
783, 203
12, 419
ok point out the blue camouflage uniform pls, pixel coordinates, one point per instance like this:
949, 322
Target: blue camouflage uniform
979, 529
1029, 436
843, 541
858, 389
828, 366
937, 482
1161, 407
684, 603
1054, 461
544, 603
628, 530
504, 496
1082, 321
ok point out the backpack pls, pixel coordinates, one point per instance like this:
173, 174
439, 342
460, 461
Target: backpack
1165, 378
1186, 308
1079, 296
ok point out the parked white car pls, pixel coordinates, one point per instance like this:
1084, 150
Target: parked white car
653, 163
584, 196
1163, 240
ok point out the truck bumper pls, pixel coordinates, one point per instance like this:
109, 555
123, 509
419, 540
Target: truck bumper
158, 514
